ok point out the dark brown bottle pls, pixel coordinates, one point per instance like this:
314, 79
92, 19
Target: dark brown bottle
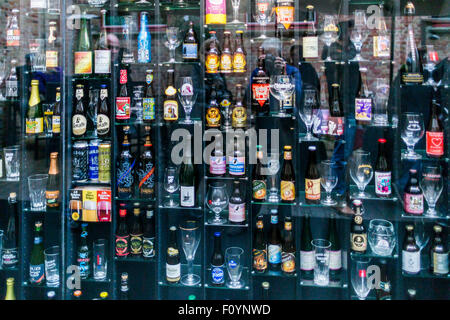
383, 172
190, 44
288, 248
358, 234
239, 55
213, 116
136, 233
287, 185
259, 185
103, 123
52, 193
312, 178
212, 59
438, 253
239, 113
170, 98
413, 195
79, 122
260, 87
410, 252
123, 100
384, 290
146, 170
435, 133
236, 206
226, 58
259, 247
336, 121
122, 234
56, 117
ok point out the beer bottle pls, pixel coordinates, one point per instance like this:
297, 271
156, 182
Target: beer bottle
217, 262
91, 110
170, 98
52, 193
307, 259
259, 185
213, 116
310, 39
413, 195
239, 55
37, 274
10, 295
336, 121
226, 58
173, 266
148, 103
217, 160
236, 205
265, 290
287, 185
212, 59
124, 289
102, 54
83, 49
438, 253
51, 51
383, 172
9, 254
260, 87
84, 254
11, 82
125, 168
364, 99
144, 40
146, 171
410, 252
411, 294
259, 251
187, 178
335, 248
35, 117
122, 234
384, 290
56, 117
274, 246
239, 113
148, 242
288, 248
284, 10
79, 121
435, 133
103, 123
123, 100
77, 295
312, 178
190, 44
236, 162
136, 232
358, 234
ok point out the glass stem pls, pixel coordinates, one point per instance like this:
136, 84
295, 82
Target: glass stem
410, 149
190, 268
172, 54
235, 13
328, 196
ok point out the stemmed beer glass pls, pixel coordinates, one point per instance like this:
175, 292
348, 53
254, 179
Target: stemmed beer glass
172, 42
307, 112
282, 87
359, 278
412, 131
234, 266
359, 34
263, 15
432, 185
187, 97
217, 200
330, 33
328, 179
361, 171
190, 239
171, 184
235, 5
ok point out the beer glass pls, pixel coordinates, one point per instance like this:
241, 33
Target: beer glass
430, 59
234, 267
281, 87
37, 55
12, 162
380, 115
187, 97
172, 42
127, 31
432, 185
361, 171
359, 276
190, 239
37, 184
171, 184
422, 237
330, 33
100, 262
381, 237
263, 16
235, 5
328, 180
307, 112
52, 266
273, 167
2, 75
359, 33
217, 200
412, 130
321, 261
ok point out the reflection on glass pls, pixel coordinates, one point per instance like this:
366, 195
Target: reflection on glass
430, 59
263, 15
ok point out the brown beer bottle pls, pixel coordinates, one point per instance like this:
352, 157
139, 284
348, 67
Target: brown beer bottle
239, 56
260, 87
312, 178
287, 186
52, 192
226, 58
212, 60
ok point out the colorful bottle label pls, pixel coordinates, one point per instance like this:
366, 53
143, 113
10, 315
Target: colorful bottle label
212, 63
103, 124
335, 126
148, 105
383, 183
217, 165
148, 247
440, 263
173, 272
213, 117
37, 274
84, 264
236, 166
216, 12
79, 124
122, 246
123, 108
381, 46
239, 62
13, 37
259, 259
285, 15
144, 50
288, 262
136, 244
307, 260
358, 242
363, 109
147, 179
274, 253
236, 212
287, 190
56, 124
259, 188
83, 62
413, 203
261, 92
170, 110
312, 189
190, 51
435, 143
51, 59
217, 274
226, 63
411, 261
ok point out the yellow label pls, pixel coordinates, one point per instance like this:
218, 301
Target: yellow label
212, 63
51, 59
212, 18
239, 62
89, 206
56, 124
226, 64
287, 190
83, 62
30, 126
312, 189
213, 117
239, 117
170, 110
285, 15
39, 128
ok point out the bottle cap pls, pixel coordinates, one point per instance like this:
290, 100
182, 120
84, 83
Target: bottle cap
412, 171
217, 234
382, 140
312, 148
12, 195
412, 292
265, 285
124, 276
192, 297
34, 82
103, 294
173, 228
409, 227
77, 293
51, 294
437, 228
287, 148
10, 281
310, 7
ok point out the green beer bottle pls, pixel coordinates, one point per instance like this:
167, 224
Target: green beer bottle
35, 116
37, 275
83, 51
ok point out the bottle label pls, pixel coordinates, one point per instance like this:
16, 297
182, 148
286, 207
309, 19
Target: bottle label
259, 189
123, 76
312, 189
56, 124
13, 37
288, 262
413, 203
84, 263
148, 247
187, 196
236, 212
136, 243
144, 51
12, 88
217, 274
213, 117
125, 176
30, 125
440, 263
287, 190
148, 105
310, 47
363, 109
358, 242
335, 126
236, 166
216, 12
239, 117
274, 253
37, 273
285, 15
173, 272
83, 62
381, 46
79, 124
170, 110
212, 63
307, 260
102, 61
9, 257
239, 62
39, 128
261, 92
51, 59
411, 261
123, 108
217, 165
52, 197
102, 124
435, 143
383, 183
122, 246
226, 62
259, 259
335, 260
147, 179
190, 51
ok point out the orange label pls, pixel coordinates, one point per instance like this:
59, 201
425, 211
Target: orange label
226, 63
312, 189
239, 62
83, 62
285, 16
212, 63
287, 190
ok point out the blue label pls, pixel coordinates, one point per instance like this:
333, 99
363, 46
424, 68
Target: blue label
190, 50
144, 50
232, 264
93, 162
217, 275
37, 273
37, 240
274, 253
237, 165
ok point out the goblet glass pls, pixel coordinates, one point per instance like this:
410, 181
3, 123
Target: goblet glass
281, 87
330, 33
412, 131
432, 185
234, 266
273, 167
430, 59
307, 112
359, 33
172, 42
190, 239
217, 200
235, 5
328, 179
263, 16
187, 97
171, 184
361, 171
359, 278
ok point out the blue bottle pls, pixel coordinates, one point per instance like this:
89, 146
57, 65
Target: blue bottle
144, 41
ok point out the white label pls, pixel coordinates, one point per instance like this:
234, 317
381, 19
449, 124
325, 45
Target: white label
79, 124
335, 260
411, 261
306, 260
173, 271
38, 4
236, 212
102, 61
310, 47
274, 253
187, 196
440, 263
102, 124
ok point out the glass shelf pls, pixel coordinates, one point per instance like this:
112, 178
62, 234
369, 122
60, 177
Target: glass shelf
15, 269
92, 280
170, 6
136, 123
184, 267
27, 208
425, 274
40, 286
265, 203
91, 183
370, 191
138, 259
227, 177
423, 153
244, 279
134, 199
40, 136
275, 115
88, 136
4, 180
271, 273
227, 224
413, 217
134, 6
302, 201
370, 254
178, 63
180, 208
338, 284
90, 78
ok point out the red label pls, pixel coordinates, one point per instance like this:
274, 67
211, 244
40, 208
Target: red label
433, 56
123, 78
362, 273
413, 203
104, 205
261, 92
123, 108
435, 143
